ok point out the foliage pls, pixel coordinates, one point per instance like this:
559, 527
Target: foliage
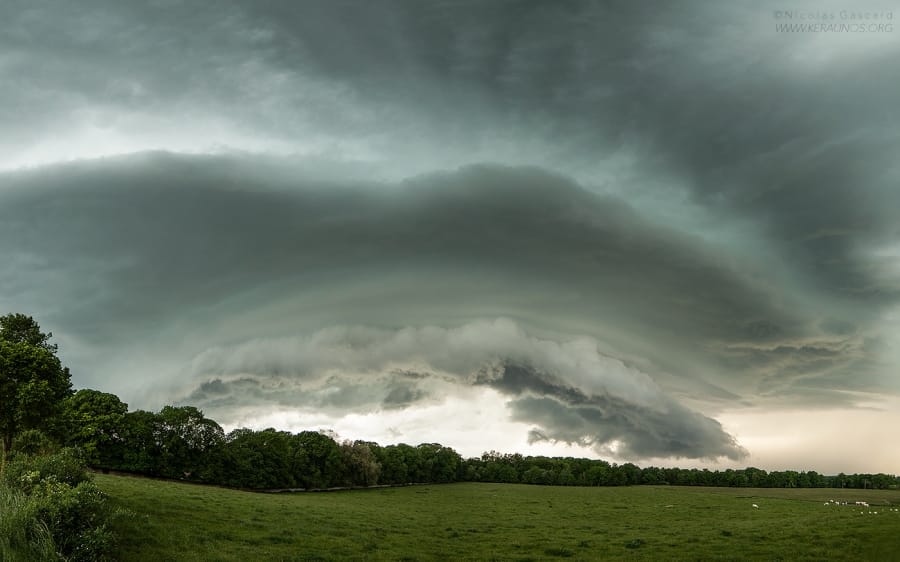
94, 421
33, 442
77, 518
33, 382
184, 437
256, 459
24, 537
140, 448
317, 461
55, 493
360, 462
21, 328
568, 471
66, 467
179, 442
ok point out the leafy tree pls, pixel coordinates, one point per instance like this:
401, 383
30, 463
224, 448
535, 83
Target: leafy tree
598, 474
317, 460
497, 467
256, 459
565, 477
361, 464
33, 442
20, 328
439, 463
393, 465
94, 421
185, 436
537, 475
756, 478
140, 447
632, 474
33, 382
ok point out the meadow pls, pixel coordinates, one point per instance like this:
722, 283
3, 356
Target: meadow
482, 521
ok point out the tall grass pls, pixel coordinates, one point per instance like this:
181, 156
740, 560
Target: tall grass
23, 536
51, 510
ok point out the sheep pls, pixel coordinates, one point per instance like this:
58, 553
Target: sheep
755, 506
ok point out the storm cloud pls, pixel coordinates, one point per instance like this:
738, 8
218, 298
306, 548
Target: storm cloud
212, 237
549, 384
194, 200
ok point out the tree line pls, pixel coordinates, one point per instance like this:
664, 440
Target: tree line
40, 410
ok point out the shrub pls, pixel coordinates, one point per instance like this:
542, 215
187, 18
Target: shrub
59, 495
66, 467
23, 536
76, 518
33, 442
94, 545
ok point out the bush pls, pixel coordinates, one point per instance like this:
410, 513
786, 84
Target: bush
77, 518
66, 467
33, 442
56, 493
23, 536
94, 545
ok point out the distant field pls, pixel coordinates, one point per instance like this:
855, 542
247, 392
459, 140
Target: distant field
175, 521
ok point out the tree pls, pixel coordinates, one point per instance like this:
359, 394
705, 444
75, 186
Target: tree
33, 442
185, 436
94, 421
140, 448
20, 328
411, 457
317, 460
33, 382
598, 474
360, 463
393, 465
257, 459
440, 464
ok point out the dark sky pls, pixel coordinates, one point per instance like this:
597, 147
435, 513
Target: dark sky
595, 228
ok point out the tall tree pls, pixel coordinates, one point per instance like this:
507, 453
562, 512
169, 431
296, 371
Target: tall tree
33, 382
257, 459
94, 420
21, 328
361, 466
141, 445
185, 436
317, 462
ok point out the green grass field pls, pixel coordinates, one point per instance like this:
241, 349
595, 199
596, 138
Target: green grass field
173, 521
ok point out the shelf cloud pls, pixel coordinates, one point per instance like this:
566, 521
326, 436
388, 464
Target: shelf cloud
627, 222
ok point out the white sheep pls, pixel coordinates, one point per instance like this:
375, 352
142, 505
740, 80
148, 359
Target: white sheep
755, 506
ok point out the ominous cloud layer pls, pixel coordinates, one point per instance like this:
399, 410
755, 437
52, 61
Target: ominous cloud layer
570, 391
706, 205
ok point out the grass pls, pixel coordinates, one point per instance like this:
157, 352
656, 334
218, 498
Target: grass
23, 538
174, 521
